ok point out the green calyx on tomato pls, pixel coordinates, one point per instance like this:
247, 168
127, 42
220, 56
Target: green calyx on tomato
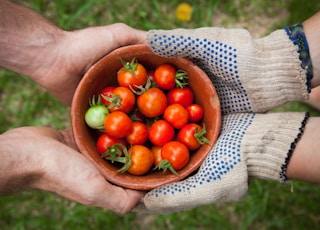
130, 66
141, 89
181, 78
200, 135
132, 74
138, 160
113, 154
164, 165
113, 99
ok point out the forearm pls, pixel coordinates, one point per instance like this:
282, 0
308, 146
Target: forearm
25, 38
312, 32
305, 161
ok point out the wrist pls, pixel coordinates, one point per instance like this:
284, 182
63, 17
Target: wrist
297, 36
270, 142
312, 33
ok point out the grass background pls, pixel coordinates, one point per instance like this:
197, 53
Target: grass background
268, 205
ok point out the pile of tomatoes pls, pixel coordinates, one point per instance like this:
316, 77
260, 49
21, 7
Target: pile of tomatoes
149, 120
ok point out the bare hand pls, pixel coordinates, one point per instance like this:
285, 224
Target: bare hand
77, 52
46, 159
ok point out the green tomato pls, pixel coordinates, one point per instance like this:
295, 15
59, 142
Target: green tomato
95, 116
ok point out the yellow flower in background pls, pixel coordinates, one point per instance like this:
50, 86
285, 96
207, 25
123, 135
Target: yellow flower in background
184, 12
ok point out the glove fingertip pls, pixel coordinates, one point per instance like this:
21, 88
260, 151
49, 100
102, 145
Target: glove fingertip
159, 44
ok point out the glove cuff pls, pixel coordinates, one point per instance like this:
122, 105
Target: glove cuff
270, 142
279, 78
297, 36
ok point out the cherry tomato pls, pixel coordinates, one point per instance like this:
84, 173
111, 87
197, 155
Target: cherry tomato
183, 96
122, 99
118, 124
106, 93
191, 136
176, 115
161, 132
164, 76
96, 114
176, 153
156, 151
138, 133
141, 160
152, 103
132, 74
195, 112
105, 140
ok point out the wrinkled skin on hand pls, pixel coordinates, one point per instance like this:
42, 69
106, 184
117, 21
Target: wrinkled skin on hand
76, 52
50, 161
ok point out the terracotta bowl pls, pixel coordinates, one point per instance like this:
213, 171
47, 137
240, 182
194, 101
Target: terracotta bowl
102, 74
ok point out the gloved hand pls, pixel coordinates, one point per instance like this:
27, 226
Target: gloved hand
250, 76
250, 146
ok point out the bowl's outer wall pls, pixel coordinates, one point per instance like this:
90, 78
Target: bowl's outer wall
103, 74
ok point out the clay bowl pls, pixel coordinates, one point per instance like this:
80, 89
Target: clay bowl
102, 74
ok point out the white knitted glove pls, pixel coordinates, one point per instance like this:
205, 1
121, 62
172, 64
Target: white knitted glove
250, 146
250, 76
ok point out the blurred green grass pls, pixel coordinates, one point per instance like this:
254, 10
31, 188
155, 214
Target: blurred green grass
268, 205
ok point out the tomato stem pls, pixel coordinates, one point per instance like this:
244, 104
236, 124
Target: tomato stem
130, 66
181, 78
164, 165
126, 160
141, 89
113, 99
113, 154
199, 135
93, 101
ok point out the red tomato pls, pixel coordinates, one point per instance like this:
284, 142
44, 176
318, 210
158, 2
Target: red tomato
156, 151
176, 115
152, 103
195, 112
138, 134
187, 136
141, 160
132, 74
161, 132
183, 96
176, 153
122, 99
165, 76
117, 124
106, 93
105, 140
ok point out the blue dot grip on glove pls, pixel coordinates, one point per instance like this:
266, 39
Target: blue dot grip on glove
250, 146
250, 75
